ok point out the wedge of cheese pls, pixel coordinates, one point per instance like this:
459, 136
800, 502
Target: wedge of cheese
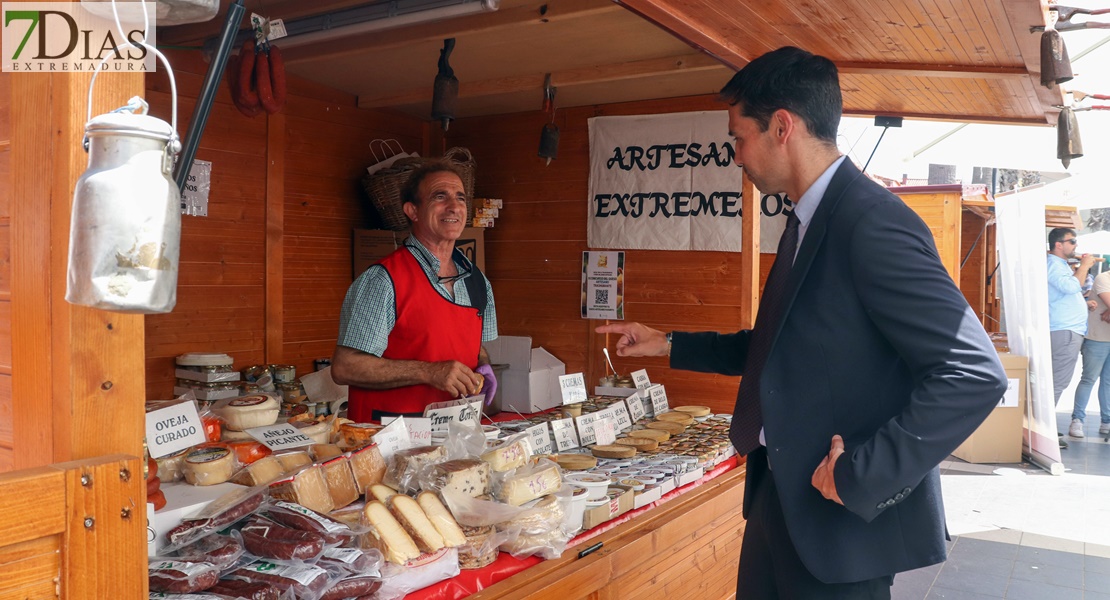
387, 535
416, 523
465, 476
507, 455
308, 487
531, 484
381, 492
442, 519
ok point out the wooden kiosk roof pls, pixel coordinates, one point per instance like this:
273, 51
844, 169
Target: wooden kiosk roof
966, 60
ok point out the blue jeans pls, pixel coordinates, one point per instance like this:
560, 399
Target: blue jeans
1095, 366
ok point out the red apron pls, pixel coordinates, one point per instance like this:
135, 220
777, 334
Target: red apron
428, 328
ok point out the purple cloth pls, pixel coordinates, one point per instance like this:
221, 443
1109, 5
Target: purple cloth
490, 387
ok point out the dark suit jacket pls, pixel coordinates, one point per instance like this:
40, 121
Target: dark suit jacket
876, 344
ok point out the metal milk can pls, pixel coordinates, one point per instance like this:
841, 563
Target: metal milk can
125, 232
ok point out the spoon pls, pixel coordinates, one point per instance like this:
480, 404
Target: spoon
606, 352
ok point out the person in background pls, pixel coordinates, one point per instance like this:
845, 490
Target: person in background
1067, 309
1095, 352
412, 326
865, 369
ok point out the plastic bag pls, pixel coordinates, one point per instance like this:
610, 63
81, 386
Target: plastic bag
223, 551
226, 510
304, 581
390, 149
398, 581
182, 577
539, 529
464, 440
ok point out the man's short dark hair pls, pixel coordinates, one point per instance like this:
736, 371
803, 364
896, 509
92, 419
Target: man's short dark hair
1058, 235
410, 192
790, 78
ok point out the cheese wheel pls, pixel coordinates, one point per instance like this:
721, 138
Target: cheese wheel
613, 451
675, 417
169, 468
668, 426
246, 412
228, 435
575, 462
442, 519
320, 432
694, 411
652, 434
640, 444
387, 535
209, 464
357, 435
260, 472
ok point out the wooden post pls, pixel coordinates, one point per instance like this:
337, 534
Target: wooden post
78, 374
275, 233
749, 269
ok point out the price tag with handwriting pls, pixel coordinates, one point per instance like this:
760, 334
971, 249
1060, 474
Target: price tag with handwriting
635, 407
605, 431
640, 379
392, 437
420, 429
541, 440
573, 388
565, 436
585, 425
658, 399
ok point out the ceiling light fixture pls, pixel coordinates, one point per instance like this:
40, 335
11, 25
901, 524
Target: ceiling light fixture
377, 17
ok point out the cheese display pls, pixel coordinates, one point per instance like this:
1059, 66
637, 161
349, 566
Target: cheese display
245, 412
322, 452
416, 523
442, 519
639, 443
575, 462
357, 435
341, 481
652, 434
319, 431
668, 426
293, 460
387, 535
209, 464
676, 417
170, 468
505, 455
368, 466
308, 487
260, 472
694, 411
531, 483
464, 476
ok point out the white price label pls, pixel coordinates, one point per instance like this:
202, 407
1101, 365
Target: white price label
621, 417
173, 428
565, 436
635, 407
658, 399
541, 440
585, 425
459, 413
392, 438
280, 437
640, 379
573, 388
420, 429
605, 431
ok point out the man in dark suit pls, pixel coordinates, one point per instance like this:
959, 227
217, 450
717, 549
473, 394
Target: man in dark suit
864, 370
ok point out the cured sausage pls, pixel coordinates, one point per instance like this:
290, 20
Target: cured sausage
220, 550
262, 82
351, 587
286, 577
350, 560
233, 63
304, 519
235, 588
269, 540
182, 577
277, 78
193, 529
247, 63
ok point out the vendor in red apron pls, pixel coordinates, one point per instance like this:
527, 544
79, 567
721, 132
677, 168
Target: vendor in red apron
412, 326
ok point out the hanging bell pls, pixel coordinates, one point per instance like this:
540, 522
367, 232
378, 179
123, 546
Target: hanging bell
1055, 65
445, 93
1068, 144
549, 142
125, 229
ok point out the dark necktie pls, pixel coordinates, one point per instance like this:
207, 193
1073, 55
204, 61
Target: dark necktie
747, 417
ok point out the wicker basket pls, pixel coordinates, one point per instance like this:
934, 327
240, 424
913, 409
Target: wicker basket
384, 187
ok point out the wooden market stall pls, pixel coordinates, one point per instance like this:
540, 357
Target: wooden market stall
263, 274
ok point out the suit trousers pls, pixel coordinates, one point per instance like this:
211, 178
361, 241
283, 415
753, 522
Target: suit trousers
770, 568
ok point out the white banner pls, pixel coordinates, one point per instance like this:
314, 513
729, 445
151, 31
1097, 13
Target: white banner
668, 182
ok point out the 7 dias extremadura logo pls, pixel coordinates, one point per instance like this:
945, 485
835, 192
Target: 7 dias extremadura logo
64, 37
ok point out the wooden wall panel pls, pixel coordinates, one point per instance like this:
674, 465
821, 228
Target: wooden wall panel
973, 256
5, 275
286, 217
533, 254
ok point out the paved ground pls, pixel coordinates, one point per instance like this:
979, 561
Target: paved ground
1021, 533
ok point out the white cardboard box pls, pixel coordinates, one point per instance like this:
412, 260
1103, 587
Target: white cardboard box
531, 383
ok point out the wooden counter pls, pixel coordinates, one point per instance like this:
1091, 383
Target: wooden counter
688, 547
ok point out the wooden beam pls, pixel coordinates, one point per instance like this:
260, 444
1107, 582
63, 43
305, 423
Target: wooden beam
1023, 14
275, 234
653, 67
535, 14
78, 374
928, 70
1006, 120
692, 31
198, 33
749, 252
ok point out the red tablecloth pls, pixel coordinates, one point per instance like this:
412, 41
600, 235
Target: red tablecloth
471, 581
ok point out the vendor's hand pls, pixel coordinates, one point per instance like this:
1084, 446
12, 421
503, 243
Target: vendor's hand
637, 340
1087, 260
489, 388
454, 378
1091, 304
823, 477
1106, 315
